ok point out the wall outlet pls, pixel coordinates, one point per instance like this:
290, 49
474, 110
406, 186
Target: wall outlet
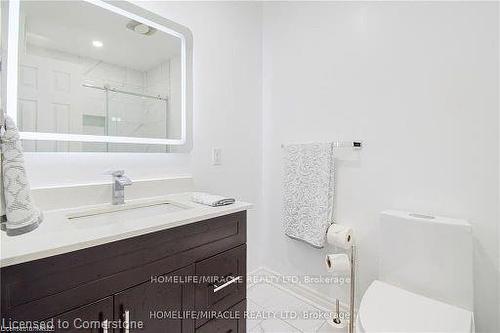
216, 156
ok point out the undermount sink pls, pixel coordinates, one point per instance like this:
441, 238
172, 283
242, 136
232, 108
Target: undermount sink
131, 211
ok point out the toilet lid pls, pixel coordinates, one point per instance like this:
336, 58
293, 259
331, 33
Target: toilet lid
385, 308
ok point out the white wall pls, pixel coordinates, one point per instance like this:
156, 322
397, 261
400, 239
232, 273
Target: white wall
498, 239
227, 43
227, 112
418, 82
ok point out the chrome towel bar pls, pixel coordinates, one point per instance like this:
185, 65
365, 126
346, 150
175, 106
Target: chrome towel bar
344, 144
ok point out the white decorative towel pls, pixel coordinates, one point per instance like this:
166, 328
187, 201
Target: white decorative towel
211, 199
308, 191
22, 216
3, 218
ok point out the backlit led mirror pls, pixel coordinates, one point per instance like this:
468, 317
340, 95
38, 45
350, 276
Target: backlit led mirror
100, 77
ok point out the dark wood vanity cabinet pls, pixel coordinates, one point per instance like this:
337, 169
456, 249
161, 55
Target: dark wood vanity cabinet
185, 279
157, 305
96, 312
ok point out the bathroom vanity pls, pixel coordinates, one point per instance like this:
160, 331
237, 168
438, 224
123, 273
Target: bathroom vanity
182, 271
121, 83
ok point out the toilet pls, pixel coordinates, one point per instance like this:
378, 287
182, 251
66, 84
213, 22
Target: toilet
425, 277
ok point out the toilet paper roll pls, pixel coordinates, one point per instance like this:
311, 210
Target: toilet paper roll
337, 262
339, 235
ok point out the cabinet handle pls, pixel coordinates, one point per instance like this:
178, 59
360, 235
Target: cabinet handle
105, 326
228, 283
126, 324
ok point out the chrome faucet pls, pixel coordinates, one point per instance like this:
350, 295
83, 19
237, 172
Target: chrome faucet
119, 183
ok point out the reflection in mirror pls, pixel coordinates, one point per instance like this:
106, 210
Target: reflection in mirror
86, 70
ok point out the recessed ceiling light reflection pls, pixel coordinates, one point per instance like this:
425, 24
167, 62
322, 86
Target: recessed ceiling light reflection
97, 43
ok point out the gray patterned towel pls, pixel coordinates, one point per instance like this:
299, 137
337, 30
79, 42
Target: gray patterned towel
3, 218
308, 191
22, 216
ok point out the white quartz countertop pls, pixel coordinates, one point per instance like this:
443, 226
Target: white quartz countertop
57, 234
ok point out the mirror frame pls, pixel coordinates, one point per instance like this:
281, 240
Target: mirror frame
130, 11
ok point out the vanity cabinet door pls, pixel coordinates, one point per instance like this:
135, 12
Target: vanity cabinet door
86, 319
159, 305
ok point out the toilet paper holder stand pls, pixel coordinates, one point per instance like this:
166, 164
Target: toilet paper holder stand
352, 290
352, 294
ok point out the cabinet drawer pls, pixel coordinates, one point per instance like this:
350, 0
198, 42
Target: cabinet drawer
235, 324
222, 281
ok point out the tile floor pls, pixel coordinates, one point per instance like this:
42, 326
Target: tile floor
272, 310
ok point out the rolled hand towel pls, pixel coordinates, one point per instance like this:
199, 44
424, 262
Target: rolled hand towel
22, 215
211, 199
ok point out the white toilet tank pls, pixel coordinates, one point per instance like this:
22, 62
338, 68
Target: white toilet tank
431, 256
